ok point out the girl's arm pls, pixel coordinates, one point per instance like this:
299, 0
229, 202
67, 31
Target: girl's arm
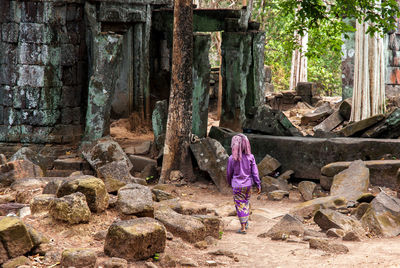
254, 172
229, 171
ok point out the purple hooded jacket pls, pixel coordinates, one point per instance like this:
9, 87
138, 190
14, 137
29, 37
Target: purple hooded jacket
243, 173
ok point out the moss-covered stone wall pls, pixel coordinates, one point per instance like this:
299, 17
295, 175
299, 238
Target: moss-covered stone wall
42, 70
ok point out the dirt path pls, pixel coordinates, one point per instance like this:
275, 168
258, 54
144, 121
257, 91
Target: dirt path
253, 251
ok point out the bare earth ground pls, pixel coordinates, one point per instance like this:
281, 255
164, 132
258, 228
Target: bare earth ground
250, 250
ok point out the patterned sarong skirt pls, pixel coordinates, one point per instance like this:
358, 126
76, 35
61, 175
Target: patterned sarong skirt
241, 197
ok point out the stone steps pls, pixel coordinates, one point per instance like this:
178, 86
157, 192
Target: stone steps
63, 167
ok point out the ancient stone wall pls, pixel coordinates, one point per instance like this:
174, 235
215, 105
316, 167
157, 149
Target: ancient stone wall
42, 70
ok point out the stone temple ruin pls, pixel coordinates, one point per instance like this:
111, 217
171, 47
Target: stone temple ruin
68, 67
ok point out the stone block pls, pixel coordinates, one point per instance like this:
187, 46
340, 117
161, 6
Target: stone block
357, 128
70, 96
19, 98
8, 74
73, 33
32, 12
70, 208
15, 236
8, 53
140, 162
31, 76
394, 42
135, 199
69, 75
14, 134
10, 32
66, 116
54, 13
50, 98
45, 117
78, 258
32, 96
26, 133
68, 55
392, 75
136, 239
12, 116
74, 12
6, 96
32, 33
32, 54
393, 58
52, 76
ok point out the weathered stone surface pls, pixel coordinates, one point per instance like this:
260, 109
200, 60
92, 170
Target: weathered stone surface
303, 160
360, 210
159, 122
318, 115
186, 227
382, 172
269, 184
267, 166
17, 170
306, 91
277, 195
70, 208
326, 246
201, 84
306, 188
345, 109
17, 262
389, 128
27, 154
352, 182
192, 208
287, 226
335, 232
212, 158
106, 57
327, 219
41, 203
382, 218
104, 151
160, 195
115, 175
213, 224
116, 263
135, 199
15, 236
8, 208
331, 122
93, 189
135, 239
138, 149
356, 129
3, 254
140, 162
286, 175
53, 185
78, 257
270, 122
308, 208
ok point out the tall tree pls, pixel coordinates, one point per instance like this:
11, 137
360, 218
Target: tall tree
179, 124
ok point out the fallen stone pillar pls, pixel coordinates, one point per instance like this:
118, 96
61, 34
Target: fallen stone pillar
306, 156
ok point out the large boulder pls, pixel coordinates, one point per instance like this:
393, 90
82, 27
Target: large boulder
306, 188
18, 169
70, 208
41, 203
135, 199
15, 237
136, 239
264, 120
93, 189
78, 257
267, 166
287, 226
187, 227
110, 162
212, 158
270, 184
309, 208
382, 172
26, 153
352, 182
327, 219
382, 218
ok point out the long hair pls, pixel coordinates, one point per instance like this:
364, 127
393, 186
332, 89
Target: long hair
240, 145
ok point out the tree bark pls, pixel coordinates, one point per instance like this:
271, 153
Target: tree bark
179, 124
298, 72
369, 72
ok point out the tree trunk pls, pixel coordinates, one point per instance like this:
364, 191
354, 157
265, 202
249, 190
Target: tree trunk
369, 71
298, 72
179, 124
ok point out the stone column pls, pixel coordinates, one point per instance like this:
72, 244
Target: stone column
201, 84
236, 61
256, 79
106, 61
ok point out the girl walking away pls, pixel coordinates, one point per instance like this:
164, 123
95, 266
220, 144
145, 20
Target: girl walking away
242, 173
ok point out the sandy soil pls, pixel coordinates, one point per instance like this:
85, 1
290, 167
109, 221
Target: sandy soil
249, 250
